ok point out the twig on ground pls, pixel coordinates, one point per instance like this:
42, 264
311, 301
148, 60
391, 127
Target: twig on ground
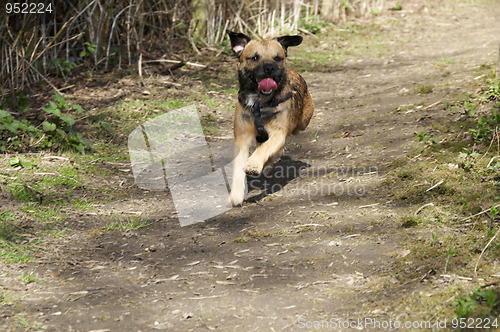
477, 214
422, 207
367, 206
491, 283
491, 160
434, 186
432, 105
482, 252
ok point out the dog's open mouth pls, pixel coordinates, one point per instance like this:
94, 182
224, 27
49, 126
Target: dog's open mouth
267, 86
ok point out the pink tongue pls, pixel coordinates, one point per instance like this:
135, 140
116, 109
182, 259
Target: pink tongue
267, 84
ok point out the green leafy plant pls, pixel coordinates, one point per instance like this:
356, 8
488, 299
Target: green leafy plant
315, 25
487, 127
16, 162
17, 100
465, 306
56, 131
397, 6
492, 93
14, 133
481, 303
469, 108
426, 138
61, 66
347, 5
89, 50
58, 127
467, 160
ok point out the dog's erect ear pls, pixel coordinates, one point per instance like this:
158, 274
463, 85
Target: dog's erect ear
238, 41
287, 41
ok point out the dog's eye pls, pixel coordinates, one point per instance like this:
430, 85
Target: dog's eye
278, 58
254, 58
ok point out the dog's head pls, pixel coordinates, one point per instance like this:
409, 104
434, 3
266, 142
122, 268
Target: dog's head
262, 65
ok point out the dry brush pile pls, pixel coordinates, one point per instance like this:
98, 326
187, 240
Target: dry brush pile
105, 34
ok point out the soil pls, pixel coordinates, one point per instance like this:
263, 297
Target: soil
320, 249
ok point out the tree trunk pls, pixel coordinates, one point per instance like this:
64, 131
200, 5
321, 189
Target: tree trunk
199, 10
327, 10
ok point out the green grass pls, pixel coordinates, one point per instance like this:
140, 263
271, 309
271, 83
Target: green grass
46, 214
66, 177
29, 277
467, 186
7, 298
410, 221
12, 241
83, 204
132, 223
397, 6
22, 193
39, 196
6, 217
122, 117
440, 186
12, 252
209, 124
242, 239
339, 44
424, 89
28, 324
257, 233
443, 62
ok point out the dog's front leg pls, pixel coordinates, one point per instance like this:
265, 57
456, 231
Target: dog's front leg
265, 151
241, 150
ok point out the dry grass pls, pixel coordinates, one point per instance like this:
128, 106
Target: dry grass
118, 32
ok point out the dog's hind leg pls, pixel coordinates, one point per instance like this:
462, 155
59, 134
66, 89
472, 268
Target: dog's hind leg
307, 113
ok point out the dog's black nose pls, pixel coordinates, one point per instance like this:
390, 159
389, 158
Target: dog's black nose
269, 68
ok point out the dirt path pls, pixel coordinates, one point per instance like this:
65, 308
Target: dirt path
322, 248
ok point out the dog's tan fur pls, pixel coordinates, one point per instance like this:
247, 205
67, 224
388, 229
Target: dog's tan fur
291, 116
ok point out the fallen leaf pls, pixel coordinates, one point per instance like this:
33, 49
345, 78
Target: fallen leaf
357, 133
403, 253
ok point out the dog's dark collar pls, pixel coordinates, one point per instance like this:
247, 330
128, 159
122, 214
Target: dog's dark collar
262, 135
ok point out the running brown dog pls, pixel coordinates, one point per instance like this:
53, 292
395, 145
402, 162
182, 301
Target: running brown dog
273, 102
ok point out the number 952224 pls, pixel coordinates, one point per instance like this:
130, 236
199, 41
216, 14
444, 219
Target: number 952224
28, 8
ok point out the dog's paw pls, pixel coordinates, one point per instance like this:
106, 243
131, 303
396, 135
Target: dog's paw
253, 167
235, 199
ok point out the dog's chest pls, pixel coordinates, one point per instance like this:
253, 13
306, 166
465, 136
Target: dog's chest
251, 102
